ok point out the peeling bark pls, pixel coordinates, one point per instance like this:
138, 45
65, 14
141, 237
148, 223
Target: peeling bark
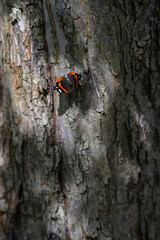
82, 166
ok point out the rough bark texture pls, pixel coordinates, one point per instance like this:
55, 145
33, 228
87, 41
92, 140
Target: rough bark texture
83, 166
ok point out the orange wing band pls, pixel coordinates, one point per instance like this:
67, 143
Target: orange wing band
62, 88
76, 81
60, 85
75, 74
59, 79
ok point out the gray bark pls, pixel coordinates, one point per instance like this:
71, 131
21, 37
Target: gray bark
83, 166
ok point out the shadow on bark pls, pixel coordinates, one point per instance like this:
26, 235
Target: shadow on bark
26, 196
65, 102
130, 101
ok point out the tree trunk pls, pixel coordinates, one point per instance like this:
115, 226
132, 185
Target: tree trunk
82, 166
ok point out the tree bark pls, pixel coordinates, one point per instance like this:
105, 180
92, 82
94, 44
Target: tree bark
82, 166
